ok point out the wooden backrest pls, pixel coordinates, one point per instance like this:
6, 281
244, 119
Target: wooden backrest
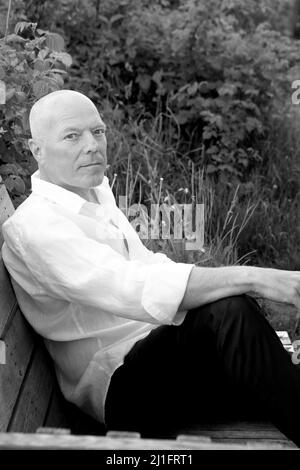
29, 396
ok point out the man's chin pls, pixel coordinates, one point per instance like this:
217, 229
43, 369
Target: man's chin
97, 181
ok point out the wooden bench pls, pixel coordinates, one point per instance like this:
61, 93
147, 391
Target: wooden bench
29, 393
34, 414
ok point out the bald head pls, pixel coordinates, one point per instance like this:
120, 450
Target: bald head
68, 140
44, 112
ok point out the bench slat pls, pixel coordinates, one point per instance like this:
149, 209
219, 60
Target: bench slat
238, 431
19, 347
7, 298
8, 301
34, 397
61, 441
6, 206
56, 416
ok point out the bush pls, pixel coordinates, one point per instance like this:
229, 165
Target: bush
192, 87
219, 66
32, 64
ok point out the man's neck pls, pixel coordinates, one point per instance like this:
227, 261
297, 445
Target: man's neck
89, 194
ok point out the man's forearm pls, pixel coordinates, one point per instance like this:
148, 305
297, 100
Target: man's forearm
206, 285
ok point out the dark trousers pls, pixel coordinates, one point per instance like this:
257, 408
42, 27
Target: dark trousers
224, 361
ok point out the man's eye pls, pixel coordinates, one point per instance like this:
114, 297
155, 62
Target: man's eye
71, 136
99, 131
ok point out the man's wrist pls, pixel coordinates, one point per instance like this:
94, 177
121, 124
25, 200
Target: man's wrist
252, 278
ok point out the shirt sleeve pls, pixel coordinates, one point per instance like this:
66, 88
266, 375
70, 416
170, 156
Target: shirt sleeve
67, 265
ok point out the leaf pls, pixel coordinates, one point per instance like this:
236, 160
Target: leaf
115, 18
22, 26
63, 72
13, 38
55, 42
8, 169
227, 167
43, 53
211, 169
103, 19
204, 87
253, 123
144, 81
21, 96
19, 185
25, 121
212, 150
10, 93
40, 88
157, 76
208, 134
192, 89
227, 89
7, 157
9, 183
63, 57
58, 79
40, 65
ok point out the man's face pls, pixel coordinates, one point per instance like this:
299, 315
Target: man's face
73, 148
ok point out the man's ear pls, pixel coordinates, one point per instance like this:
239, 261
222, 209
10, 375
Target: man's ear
35, 148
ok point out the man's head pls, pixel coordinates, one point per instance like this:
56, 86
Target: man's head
68, 140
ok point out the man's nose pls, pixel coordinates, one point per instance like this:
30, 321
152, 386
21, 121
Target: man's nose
90, 143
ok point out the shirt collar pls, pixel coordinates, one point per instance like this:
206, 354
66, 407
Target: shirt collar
67, 198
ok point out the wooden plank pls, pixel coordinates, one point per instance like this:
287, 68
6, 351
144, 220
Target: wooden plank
19, 346
7, 298
59, 431
2, 352
8, 301
6, 206
239, 431
248, 429
54, 442
34, 397
56, 415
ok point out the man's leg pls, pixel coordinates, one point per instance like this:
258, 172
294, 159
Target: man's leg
224, 360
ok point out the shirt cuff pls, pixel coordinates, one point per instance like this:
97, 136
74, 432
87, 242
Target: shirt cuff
164, 290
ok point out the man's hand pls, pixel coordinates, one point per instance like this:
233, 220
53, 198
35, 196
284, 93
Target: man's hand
278, 285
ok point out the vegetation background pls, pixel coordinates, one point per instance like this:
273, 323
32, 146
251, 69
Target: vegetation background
197, 98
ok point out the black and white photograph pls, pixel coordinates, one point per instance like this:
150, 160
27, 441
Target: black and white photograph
150, 228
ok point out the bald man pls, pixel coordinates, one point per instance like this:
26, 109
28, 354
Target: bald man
139, 342
56, 146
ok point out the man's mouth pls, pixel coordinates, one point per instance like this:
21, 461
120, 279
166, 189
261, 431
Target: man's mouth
93, 164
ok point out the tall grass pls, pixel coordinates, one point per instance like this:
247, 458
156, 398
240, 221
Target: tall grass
274, 228
146, 167
256, 222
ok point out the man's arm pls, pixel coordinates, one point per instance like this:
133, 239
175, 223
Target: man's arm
209, 284
57, 259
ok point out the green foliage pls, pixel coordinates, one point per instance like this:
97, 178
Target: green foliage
32, 64
187, 87
219, 66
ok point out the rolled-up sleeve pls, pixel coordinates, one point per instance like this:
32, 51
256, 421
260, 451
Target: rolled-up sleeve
68, 265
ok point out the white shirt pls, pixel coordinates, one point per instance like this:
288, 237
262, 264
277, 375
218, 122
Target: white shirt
80, 288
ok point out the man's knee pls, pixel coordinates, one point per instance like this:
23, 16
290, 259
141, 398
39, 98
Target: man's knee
238, 307
227, 314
